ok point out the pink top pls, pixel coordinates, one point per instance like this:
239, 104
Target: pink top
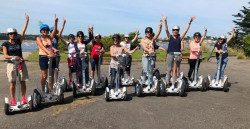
196, 47
47, 44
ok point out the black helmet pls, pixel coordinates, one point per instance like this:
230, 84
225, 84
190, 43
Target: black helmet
149, 29
116, 36
79, 33
197, 34
71, 36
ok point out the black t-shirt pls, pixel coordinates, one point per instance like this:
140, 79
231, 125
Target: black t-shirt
14, 49
219, 47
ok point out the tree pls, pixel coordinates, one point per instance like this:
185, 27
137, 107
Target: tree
243, 21
246, 42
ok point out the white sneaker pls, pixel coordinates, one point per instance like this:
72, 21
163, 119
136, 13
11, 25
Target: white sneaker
148, 87
119, 90
112, 91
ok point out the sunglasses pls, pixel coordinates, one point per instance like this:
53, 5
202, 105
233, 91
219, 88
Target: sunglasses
80, 36
45, 29
175, 30
148, 32
12, 33
127, 37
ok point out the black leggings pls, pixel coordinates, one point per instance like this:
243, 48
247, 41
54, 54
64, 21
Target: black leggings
192, 63
128, 62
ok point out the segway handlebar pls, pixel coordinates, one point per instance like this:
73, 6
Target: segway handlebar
14, 60
151, 53
176, 53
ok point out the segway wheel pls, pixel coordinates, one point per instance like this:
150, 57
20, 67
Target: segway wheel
203, 86
158, 89
37, 99
74, 90
225, 88
61, 98
138, 89
93, 89
31, 105
125, 96
185, 81
207, 83
163, 89
157, 74
6, 109
106, 96
181, 93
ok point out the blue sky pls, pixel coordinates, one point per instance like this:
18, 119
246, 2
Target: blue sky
121, 16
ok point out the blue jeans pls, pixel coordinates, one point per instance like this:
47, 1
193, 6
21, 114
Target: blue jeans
148, 65
80, 70
222, 68
113, 74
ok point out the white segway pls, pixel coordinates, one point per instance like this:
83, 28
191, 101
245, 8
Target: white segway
61, 80
8, 109
127, 81
177, 85
56, 94
92, 86
119, 92
198, 82
218, 83
154, 87
102, 80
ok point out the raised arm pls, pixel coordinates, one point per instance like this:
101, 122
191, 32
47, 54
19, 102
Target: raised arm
137, 32
166, 26
232, 35
63, 41
90, 35
61, 30
159, 31
53, 34
204, 35
182, 45
186, 30
24, 27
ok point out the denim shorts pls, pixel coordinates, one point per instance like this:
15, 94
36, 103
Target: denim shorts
43, 62
94, 63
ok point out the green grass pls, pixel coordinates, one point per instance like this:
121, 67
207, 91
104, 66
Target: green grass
136, 56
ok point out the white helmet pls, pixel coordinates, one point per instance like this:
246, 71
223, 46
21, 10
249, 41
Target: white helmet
98, 35
222, 37
11, 30
126, 36
176, 27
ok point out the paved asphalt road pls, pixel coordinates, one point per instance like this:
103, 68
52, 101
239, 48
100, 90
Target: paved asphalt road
210, 109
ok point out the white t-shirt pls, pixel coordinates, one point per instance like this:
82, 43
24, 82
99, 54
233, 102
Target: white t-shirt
81, 47
126, 45
71, 48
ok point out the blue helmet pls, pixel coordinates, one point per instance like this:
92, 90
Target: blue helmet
43, 26
51, 29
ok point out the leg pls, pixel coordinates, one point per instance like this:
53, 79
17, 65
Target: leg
215, 74
23, 88
12, 90
145, 67
92, 62
44, 77
223, 66
170, 59
87, 73
112, 81
191, 68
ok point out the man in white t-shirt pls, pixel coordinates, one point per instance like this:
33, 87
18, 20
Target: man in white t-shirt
127, 43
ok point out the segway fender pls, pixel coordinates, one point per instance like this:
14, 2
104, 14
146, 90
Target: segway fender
6, 100
107, 89
29, 98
